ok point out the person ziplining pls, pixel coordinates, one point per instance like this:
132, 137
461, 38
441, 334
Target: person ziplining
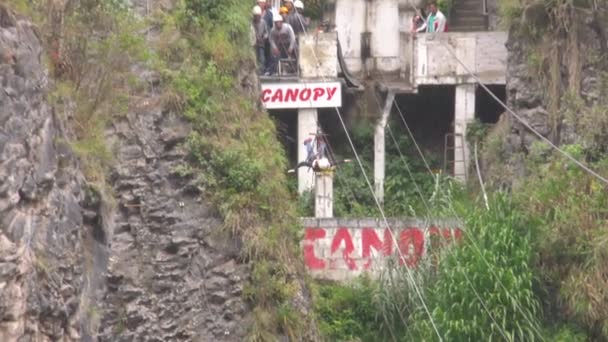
318, 160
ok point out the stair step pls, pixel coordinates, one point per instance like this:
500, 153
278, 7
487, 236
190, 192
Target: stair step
469, 17
467, 21
467, 28
469, 6
467, 2
467, 13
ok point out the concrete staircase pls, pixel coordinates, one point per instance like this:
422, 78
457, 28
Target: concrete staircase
467, 16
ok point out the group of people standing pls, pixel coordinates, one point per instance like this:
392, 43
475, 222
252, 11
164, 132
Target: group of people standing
435, 22
275, 33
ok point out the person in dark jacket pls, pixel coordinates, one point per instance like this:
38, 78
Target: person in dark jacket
267, 16
261, 33
298, 22
266, 13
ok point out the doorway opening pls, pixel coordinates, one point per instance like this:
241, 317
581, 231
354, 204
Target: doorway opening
286, 121
487, 109
430, 116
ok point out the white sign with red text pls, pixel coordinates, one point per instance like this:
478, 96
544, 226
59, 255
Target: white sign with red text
302, 95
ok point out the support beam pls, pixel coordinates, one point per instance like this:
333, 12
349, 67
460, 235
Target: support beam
324, 194
379, 148
307, 125
464, 113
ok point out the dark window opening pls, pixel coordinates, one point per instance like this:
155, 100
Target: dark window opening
430, 116
286, 121
487, 109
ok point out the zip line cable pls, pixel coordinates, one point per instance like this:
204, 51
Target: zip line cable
387, 225
409, 131
521, 120
410, 276
451, 208
426, 204
466, 233
502, 332
409, 171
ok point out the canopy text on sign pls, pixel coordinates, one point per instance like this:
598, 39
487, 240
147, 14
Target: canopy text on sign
301, 95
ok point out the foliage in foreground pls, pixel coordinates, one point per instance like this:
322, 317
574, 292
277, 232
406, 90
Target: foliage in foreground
348, 312
570, 208
484, 288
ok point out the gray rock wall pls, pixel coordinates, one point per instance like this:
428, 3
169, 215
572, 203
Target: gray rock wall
529, 94
49, 222
150, 264
173, 274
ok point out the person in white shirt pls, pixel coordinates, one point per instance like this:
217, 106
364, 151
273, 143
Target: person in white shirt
435, 22
282, 43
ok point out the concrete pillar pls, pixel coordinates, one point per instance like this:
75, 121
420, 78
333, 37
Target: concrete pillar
324, 194
379, 147
350, 23
406, 42
383, 22
464, 113
307, 127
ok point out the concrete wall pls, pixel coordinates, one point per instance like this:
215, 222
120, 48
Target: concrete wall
386, 19
383, 22
350, 23
484, 53
318, 55
342, 249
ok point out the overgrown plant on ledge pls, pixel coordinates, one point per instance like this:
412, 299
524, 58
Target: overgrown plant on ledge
91, 46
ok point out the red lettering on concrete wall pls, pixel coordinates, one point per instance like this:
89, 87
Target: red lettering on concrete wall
358, 249
343, 235
411, 246
312, 262
369, 240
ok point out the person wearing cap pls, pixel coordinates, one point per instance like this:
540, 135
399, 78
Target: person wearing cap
261, 37
282, 42
289, 5
318, 161
435, 22
267, 16
284, 12
266, 12
311, 156
296, 19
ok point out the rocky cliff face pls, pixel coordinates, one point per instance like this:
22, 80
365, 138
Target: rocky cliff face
173, 275
148, 263
51, 235
544, 76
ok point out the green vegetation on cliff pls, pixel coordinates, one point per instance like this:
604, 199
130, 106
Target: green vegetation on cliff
208, 75
236, 157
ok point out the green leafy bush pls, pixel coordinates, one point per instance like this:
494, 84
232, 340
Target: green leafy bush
352, 196
484, 288
348, 312
569, 206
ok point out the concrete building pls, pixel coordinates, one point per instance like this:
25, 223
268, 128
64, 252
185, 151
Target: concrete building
432, 78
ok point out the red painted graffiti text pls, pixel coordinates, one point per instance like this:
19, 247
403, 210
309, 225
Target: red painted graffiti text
358, 249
